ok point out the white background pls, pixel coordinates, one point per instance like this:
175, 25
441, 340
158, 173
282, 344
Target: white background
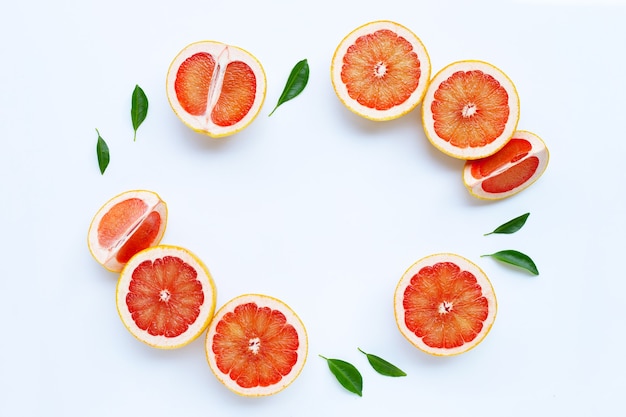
313, 205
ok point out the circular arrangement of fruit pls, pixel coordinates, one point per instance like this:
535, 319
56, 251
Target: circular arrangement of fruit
256, 344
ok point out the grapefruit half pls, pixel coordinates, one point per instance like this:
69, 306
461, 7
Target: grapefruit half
165, 296
380, 70
214, 88
470, 110
256, 345
510, 170
126, 224
444, 304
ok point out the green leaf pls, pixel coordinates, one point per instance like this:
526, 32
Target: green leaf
511, 226
516, 258
295, 83
382, 366
102, 150
138, 108
347, 375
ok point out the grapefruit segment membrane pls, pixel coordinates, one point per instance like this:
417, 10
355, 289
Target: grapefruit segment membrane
380, 70
256, 345
444, 304
214, 88
512, 169
470, 109
165, 296
126, 224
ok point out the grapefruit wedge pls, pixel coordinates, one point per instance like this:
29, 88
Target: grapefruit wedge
380, 70
444, 304
470, 110
126, 224
214, 88
256, 345
510, 170
165, 296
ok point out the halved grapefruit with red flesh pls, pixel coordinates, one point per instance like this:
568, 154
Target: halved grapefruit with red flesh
165, 296
216, 89
510, 170
126, 224
470, 110
380, 70
444, 304
256, 345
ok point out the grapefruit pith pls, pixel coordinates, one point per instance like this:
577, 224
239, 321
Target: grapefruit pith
124, 225
510, 170
256, 345
214, 88
444, 304
165, 296
470, 109
380, 70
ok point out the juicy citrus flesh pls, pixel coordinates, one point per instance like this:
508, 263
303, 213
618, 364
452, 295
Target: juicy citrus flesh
165, 296
445, 305
256, 347
216, 89
380, 70
125, 225
510, 170
470, 110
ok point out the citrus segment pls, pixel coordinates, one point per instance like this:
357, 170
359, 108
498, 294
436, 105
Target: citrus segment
380, 70
165, 296
256, 345
444, 304
214, 88
126, 224
470, 110
510, 170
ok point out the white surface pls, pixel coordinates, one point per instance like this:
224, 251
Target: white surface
313, 205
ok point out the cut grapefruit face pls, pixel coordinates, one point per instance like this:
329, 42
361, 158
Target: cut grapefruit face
165, 296
216, 89
126, 224
256, 345
380, 70
510, 170
444, 304
470, 110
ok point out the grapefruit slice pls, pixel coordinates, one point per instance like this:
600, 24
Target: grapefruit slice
256, 345
470, 110
380, 70
165, 296
510, 170
214, 88
444, 304
126, 224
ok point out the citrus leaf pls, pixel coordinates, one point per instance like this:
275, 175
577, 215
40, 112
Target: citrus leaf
138, 108
511, 226
516, 258
296, 82
348, 376
382, 366
102, 150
